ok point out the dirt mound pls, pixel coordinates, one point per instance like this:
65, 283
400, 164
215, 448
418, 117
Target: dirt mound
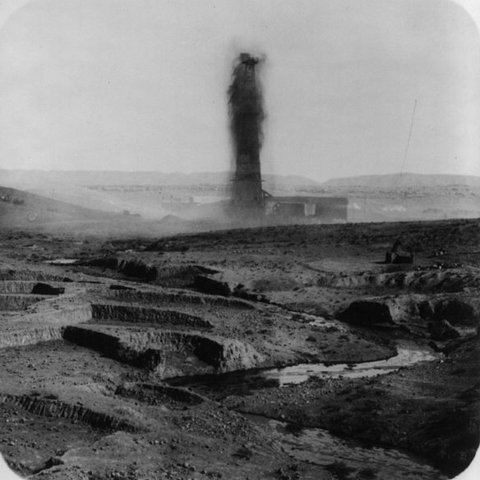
439, 317
154, 394
58, 409
456, 311
421, 280
30, 336
133, 268
137, 269
181, 276
18, 302
16, 286
178, 297
147, 348
102, 262
442, 330
211, 286
15, 275
113, 347
126, 313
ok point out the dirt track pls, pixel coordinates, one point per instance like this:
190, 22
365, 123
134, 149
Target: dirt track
84, 391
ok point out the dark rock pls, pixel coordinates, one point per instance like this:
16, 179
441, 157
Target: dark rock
364, 312
137, 269
210, 285
205, 270
451, 345
104, 262
45, 289
434, 346
455, 311
442, 330
398, 259
425, 309
242, 292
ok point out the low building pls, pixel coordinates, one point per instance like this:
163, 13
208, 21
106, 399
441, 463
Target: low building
324, 209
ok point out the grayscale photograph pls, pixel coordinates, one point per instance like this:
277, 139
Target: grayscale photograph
239, 239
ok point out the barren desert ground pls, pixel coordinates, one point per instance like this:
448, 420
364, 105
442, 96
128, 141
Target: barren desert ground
277, 352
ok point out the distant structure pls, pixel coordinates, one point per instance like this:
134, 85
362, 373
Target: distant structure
322, 209
246, 117
245, 102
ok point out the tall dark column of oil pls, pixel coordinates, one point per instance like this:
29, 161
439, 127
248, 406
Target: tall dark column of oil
246, 117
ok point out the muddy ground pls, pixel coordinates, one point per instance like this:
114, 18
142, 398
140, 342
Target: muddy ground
85, 392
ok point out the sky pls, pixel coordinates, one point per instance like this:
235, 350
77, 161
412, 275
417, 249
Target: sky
352, 87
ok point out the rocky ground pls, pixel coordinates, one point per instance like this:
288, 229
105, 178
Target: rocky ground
84, 391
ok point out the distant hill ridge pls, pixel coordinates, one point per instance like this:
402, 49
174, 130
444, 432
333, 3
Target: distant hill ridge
89, 177
404, 180
12, 197
31, 178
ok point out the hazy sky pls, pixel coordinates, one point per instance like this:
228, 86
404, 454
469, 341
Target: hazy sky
141, 84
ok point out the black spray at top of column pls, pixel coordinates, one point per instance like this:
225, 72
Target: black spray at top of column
246, 116
246, 106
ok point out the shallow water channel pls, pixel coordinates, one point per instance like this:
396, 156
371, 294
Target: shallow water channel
243, 382
317, 445
408, 354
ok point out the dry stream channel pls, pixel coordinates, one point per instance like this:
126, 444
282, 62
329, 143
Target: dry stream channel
313, 445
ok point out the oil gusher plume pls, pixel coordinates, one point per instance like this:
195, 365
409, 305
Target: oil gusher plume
246, 117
